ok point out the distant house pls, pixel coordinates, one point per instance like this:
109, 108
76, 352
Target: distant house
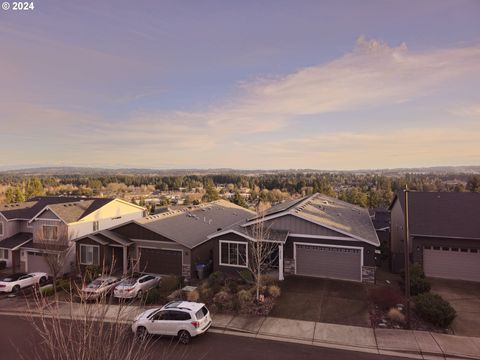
444, 233
43, 226
171, 242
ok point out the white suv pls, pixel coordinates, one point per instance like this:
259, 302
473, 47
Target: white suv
184, 319
135, 286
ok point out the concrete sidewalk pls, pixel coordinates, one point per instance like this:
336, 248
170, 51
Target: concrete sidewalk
408, 343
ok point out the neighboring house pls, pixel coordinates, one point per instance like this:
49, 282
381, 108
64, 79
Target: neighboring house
317, 236
46, 226
381, 222
444, 233
171, 242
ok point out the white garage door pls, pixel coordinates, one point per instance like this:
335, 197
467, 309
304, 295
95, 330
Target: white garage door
328, 262
36, 262
452, 263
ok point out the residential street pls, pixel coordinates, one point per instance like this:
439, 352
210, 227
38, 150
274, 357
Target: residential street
20, 337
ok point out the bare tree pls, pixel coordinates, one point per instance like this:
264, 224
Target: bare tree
260, 251
57, 252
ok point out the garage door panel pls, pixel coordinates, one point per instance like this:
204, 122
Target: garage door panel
37, 262
328, 262
161, 261
450, 264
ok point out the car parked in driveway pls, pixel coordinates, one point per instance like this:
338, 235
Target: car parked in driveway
135, 286
101, 286
184, 319
15, 282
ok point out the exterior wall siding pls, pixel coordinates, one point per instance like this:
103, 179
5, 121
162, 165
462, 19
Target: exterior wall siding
397, 237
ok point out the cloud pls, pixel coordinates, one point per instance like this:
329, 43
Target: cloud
263, 114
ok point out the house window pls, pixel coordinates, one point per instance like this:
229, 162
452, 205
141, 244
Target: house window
3, 254
89, 255
233, 253
50, 232
95, 226
1, 229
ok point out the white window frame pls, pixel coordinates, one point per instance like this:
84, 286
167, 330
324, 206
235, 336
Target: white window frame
232, 242
93, 260
4, 252
43, 232
1, 228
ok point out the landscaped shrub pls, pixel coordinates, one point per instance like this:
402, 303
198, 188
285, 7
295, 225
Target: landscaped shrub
169, 283
232, 285
385, 297
47, 290
153, 296
435, 309
418, 283
64, 285
3, 264
268, 280
274, 291
396, 315
216, 281
91, 273
175, 295
206, 293
193, 295
223, 300
245, 296
247, 276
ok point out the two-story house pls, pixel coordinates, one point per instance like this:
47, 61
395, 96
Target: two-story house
34, 231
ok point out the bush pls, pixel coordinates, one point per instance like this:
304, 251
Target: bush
64, 285
216, 281
232, 285
268, 280
223, 300
245, 296
247, 276
153, 296
435, 309
91, 273
396, 316
168, 283
47, 290
385, 297
3, 264
193, 295
418, 283
205, 293
176, 295
274, 291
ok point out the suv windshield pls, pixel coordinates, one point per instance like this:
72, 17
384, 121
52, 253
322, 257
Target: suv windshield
200, 314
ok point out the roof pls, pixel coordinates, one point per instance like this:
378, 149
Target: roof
443, 214
16, 240
74, 211
190, 227
334, 214
248, 232
105, 237
29, 209
283, 206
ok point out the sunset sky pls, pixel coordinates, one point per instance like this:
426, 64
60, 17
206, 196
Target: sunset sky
241, 84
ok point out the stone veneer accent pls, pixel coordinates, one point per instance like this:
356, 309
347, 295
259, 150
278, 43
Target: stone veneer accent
288, 266
368, 274
186, 271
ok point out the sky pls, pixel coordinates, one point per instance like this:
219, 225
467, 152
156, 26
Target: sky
332, 85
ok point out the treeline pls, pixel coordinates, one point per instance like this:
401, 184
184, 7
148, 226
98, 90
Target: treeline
367, 190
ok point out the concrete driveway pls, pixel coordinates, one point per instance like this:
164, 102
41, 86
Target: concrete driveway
323, 300
464, 296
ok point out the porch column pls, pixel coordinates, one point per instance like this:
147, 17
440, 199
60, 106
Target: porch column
280, 262
125, 260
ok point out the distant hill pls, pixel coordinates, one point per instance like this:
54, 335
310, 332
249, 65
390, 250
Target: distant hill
51, 171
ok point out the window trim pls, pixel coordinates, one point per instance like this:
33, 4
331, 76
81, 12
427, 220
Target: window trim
4, 252
50, 226
93, 260
1, 228
232, 242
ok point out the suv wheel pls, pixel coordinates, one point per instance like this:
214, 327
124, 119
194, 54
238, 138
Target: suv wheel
184, 337
141, 333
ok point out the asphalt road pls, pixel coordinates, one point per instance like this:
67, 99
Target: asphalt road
17, 340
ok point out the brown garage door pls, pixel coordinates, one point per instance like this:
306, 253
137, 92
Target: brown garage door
452, 263
161, 261
329, 262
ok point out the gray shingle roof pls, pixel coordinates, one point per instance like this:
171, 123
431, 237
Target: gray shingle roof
190, 227
16, 240
74, 211
443, 214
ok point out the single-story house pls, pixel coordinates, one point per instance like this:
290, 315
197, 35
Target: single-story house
316, 235
444, 231
172, 242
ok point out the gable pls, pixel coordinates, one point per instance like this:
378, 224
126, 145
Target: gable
296, 225
48, 215
136, 231
113, 209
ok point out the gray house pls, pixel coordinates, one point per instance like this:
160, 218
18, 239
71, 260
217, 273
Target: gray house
317, 236
444, 233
